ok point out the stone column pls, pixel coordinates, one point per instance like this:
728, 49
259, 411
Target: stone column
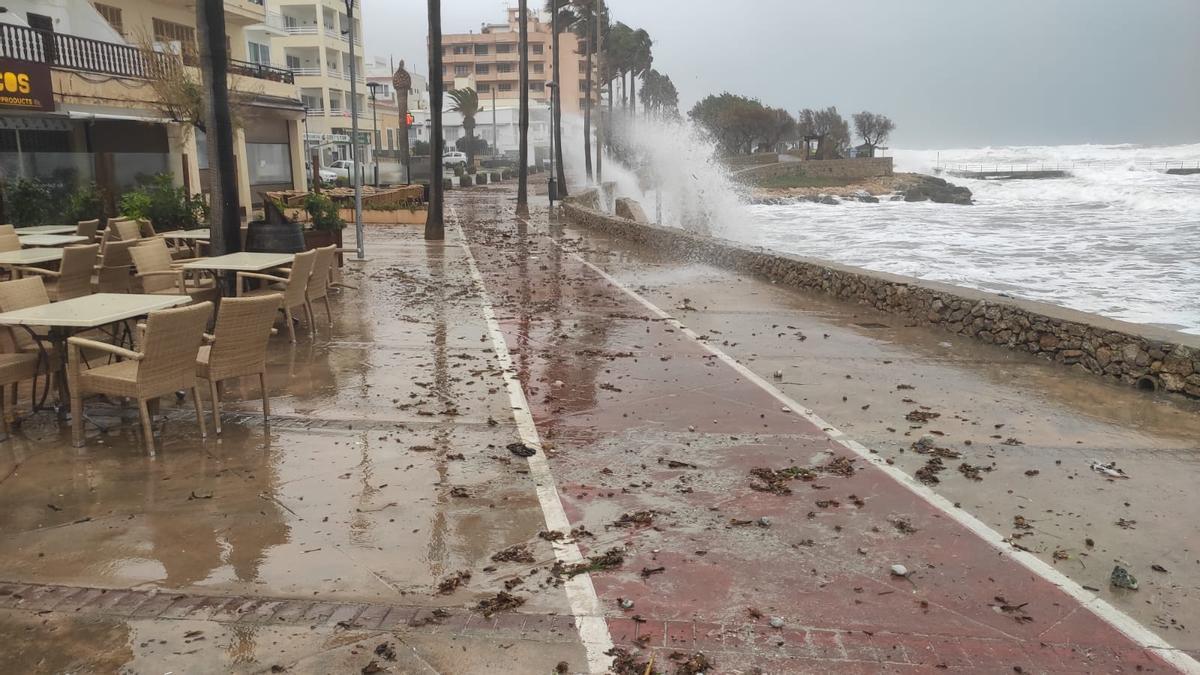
243, 171
296, 149
402, 82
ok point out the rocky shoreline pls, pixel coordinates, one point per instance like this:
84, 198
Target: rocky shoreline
906, 187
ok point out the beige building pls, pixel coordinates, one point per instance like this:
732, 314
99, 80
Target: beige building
316, 48
490, 60
100, 118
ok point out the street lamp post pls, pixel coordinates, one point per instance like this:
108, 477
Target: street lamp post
552, 184
358, 222
374, 87
495, 145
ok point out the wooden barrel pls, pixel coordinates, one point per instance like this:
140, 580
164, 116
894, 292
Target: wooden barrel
263, 237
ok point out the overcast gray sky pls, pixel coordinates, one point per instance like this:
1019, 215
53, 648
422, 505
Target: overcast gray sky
951, 73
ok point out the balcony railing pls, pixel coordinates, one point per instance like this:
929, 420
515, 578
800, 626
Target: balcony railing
306, 72
301, 30
261, 71
70, 52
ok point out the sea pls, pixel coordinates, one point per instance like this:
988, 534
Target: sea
1119, 237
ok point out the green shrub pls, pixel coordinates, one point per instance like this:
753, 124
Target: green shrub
85, 203
166, 207
481, 179
27, 202
324, 212
465, 180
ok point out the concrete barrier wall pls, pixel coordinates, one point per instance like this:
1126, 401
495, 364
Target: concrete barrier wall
1135, 354
825, 168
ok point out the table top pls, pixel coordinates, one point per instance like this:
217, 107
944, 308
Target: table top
50, 239
30, 256
91, 311
201, 233
47, 229
241, 262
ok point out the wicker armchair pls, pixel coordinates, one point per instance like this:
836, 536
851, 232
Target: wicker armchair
9, 242
158, 274
293, 287
126, 230
21, 294
113, 272
164, 364
73, 278
7, 229
87, 228
14, 369
238, 347
318, 282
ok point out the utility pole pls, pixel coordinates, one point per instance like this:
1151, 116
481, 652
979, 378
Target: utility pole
358, 223
552, 183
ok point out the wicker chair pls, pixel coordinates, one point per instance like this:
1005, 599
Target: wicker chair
73, 278
318, 282
14, 369
7, 229
113, 272
87, 228
9, 242
22, 294
164, 364
293, 287
126, 230
238, 347
158, 274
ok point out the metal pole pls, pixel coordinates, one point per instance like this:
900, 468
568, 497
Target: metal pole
551, 187
358, 222
495, 143
375, 136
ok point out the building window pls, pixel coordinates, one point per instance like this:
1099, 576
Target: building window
461, 70
504, 67
443, 69
481, 69
483, 88
536, 47
269, 163
537, 87
259, 53
505, 86
582, 67
539, 68
481, 50
447, 86
167, 32
112, 15
585, 86
505, 48
461, 49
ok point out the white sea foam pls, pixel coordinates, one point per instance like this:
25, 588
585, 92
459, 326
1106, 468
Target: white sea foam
1119, 237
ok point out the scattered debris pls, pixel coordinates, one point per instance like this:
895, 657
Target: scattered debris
372, 668
648, 572
452, 582
928, 473
1158, 568
899, 571
692, 664
1017, 612
973, 471
636, 518
562, 668
625, 663
436, 617
1109, 470
676, 464
922, 416
502, 602
1121, 578
775, 480
625, 603
839, 466
517, 553
1011, 441
610, 559
521, 450
552, 535
1126, 524
385, 651
460, 492
776, 622
903, 525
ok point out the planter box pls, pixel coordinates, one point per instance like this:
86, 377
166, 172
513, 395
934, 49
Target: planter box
395, 217
319, 238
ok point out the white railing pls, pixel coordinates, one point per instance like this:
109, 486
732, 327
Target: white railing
306, 72
334, 72
274, 20
315, 112
301, 30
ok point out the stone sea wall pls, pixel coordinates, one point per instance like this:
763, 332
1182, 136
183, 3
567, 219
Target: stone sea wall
1141, 356
867, 167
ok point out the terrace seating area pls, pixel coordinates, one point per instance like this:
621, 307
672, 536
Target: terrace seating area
97, 317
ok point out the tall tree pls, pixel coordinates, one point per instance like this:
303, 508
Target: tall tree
830, 128
584, 26
640, 60
523, 123
600, 25
563, 16
466, 103
435, 228
874, 128
225, 220
659, 95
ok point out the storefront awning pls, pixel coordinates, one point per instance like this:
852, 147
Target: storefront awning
133, 117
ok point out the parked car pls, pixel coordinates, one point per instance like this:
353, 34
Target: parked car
344, 168
454, 158
327, 175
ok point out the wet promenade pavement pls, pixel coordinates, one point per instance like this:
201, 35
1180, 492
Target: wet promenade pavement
683, 499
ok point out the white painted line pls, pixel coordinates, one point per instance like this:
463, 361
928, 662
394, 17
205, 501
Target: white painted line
581, 594
1135, 631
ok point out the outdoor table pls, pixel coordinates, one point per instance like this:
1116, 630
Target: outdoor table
82, 313
187, 235
47, 229
50, 239
240, 262
30, 256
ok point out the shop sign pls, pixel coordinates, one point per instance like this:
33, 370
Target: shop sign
26, 85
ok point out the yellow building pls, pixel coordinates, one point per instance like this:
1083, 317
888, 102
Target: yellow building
100, 117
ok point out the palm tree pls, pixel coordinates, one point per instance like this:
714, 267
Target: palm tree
564, 16
641, 58
435, 229
466, 103
523, 124
214, 71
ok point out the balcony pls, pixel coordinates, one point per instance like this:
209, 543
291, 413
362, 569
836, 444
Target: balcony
70, 52
301, 30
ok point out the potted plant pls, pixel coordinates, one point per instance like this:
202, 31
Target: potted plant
27, 202
326, 223
166, 206
85, 203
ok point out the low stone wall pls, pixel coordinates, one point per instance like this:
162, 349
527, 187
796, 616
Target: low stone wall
757, 159
867, 167
1138, 355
